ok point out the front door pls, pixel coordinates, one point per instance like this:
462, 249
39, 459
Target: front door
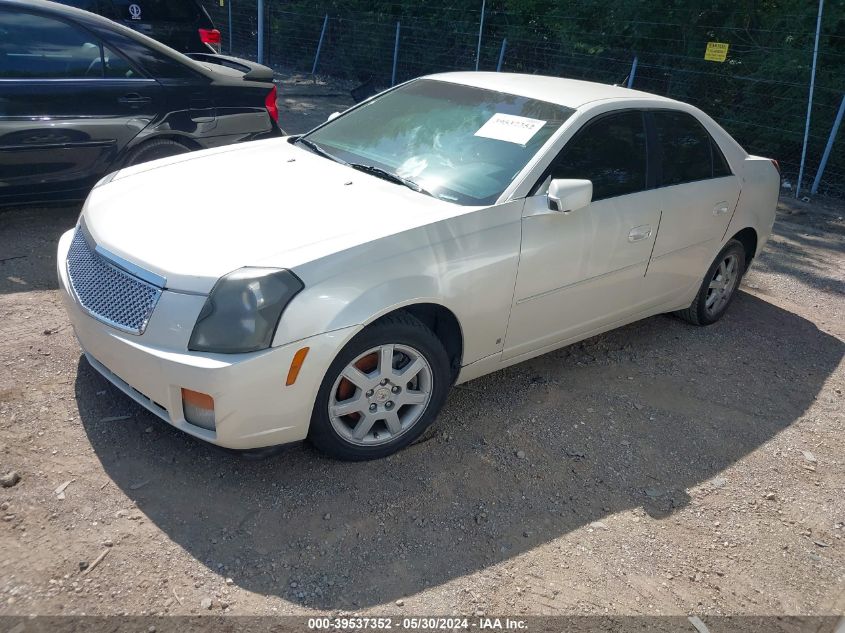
583, 270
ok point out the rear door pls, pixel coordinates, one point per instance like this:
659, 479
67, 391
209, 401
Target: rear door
68, 106
698, 195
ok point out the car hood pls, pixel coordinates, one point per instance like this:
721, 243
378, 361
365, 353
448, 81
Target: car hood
196, 217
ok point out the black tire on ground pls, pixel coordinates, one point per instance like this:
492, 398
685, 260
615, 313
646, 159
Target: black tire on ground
153, 150
698, 313
399, 329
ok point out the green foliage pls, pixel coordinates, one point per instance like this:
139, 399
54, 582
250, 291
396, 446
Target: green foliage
759, 94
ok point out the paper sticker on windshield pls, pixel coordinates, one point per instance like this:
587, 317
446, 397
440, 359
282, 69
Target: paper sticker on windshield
510, 128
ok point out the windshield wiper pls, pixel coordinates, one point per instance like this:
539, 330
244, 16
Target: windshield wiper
319, 150
378, 172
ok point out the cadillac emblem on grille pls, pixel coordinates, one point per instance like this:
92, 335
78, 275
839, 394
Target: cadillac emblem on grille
106, 291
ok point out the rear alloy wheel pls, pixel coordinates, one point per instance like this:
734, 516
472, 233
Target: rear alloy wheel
384, 388
719, 286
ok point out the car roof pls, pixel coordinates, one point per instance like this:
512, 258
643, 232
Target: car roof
572, 93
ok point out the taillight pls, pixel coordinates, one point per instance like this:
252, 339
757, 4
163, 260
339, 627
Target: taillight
776, 164
270, 104
211, 37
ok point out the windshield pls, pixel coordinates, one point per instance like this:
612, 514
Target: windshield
458, 143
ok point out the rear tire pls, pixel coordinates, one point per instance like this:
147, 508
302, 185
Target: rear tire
384, 388
153, 150
719, 286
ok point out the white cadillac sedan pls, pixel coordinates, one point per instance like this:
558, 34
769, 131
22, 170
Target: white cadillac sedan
444, 229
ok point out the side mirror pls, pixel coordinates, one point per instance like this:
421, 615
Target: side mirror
567, 195
333, 116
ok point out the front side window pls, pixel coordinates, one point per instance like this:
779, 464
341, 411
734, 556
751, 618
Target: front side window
460, 143
686, 149
611, 151
38, 47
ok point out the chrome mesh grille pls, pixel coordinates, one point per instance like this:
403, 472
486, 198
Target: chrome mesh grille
107, 292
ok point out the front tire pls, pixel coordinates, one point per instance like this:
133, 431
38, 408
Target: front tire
383, 389
719, 286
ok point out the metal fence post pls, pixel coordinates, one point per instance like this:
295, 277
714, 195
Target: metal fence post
320, 44
395, 55
502, 55
828, 147
229, 4
260, 55
810, 100
480, 28
633, 71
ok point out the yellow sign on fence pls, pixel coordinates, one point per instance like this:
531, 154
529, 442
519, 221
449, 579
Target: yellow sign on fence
716, 52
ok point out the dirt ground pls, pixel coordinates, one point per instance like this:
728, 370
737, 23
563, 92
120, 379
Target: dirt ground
657, 469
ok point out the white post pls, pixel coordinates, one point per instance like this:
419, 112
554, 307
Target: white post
320, 44
260, 31
480, 28
810, 99
633, 72
502, 55
395, 55
830, 139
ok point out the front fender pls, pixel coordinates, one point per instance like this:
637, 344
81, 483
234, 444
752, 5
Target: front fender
466, 264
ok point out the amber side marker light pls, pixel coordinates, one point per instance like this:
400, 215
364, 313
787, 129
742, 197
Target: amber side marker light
296, 365
198, 408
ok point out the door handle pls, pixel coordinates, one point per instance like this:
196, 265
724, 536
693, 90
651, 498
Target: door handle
133, 98
639, 233
720, 208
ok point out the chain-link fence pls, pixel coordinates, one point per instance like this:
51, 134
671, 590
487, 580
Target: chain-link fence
759, 93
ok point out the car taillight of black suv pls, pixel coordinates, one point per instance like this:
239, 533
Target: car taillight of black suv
180, 24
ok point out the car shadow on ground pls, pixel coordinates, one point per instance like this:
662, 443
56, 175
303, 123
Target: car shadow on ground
631, 419
28, 242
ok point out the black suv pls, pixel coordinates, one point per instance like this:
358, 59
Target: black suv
181, 24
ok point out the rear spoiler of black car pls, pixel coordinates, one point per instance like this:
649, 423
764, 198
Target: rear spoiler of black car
251, 70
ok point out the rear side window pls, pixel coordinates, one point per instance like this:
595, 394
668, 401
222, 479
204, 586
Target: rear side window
37, 47
611, 152
156, 10
686, 149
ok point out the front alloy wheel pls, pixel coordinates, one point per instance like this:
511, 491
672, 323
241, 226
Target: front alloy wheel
383, 389
380, 395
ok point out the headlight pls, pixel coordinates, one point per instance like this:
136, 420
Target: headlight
243, 310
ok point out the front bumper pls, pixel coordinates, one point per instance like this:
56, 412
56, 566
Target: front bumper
253, 406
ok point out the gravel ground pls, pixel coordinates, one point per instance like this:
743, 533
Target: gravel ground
659, 469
